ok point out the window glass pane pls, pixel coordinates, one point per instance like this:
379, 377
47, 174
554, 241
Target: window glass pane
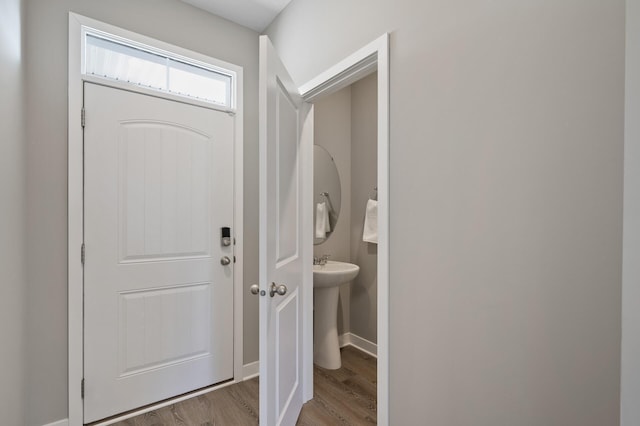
190, 80
106, 58
119, 61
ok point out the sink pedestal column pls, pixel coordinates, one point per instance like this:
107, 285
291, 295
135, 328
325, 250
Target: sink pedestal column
326, 348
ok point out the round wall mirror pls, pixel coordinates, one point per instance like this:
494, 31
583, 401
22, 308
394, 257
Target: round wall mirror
327, 195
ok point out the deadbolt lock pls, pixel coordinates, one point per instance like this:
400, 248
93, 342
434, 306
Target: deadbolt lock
225, 236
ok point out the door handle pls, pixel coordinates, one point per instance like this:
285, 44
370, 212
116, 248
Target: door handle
255, 289
280, 289
275, 288
224, 261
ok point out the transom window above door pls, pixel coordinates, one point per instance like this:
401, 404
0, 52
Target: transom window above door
118, 59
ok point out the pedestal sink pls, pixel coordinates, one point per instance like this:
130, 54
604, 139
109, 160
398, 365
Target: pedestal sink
326, 288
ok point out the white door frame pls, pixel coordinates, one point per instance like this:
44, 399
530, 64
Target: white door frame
372, 57
75, 201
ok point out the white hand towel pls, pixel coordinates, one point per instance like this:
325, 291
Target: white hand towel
370, 232
322, 220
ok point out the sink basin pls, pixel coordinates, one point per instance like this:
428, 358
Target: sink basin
334, 273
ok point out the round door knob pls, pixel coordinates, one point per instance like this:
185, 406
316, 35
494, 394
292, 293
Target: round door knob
225, 260
280, 289
255, 289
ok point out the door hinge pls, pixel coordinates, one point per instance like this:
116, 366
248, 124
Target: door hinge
82, 254
82, 388
82, 116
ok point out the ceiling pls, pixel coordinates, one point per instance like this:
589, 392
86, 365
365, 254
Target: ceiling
255, 14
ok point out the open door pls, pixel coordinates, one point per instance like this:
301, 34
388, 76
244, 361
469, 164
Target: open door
285, 290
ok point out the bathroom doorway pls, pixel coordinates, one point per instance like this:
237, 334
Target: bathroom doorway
351, 104
345, 191
345, 244
275, 93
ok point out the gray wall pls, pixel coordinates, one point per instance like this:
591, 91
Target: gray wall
12, 213
363, 309
46, 54
630, 386
506, 200
332, 131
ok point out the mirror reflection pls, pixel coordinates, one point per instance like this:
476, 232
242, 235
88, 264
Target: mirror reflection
327, 194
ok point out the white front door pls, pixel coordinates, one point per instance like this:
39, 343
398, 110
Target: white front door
158, 301
285, 244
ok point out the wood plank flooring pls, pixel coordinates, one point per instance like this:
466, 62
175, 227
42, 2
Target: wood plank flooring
346, 396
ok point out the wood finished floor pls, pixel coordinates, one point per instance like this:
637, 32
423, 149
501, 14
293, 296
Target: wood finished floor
346, 396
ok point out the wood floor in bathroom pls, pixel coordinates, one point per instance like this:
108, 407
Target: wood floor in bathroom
346, 396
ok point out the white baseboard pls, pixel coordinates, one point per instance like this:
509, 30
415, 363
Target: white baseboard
251, 370
350, 339
63, 422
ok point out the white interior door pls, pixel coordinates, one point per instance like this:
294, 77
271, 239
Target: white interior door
285, 244
158, 300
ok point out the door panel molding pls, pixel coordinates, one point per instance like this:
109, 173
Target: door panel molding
137, 354
287, 310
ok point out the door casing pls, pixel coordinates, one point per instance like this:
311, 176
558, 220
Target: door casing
370, 58
75, 199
